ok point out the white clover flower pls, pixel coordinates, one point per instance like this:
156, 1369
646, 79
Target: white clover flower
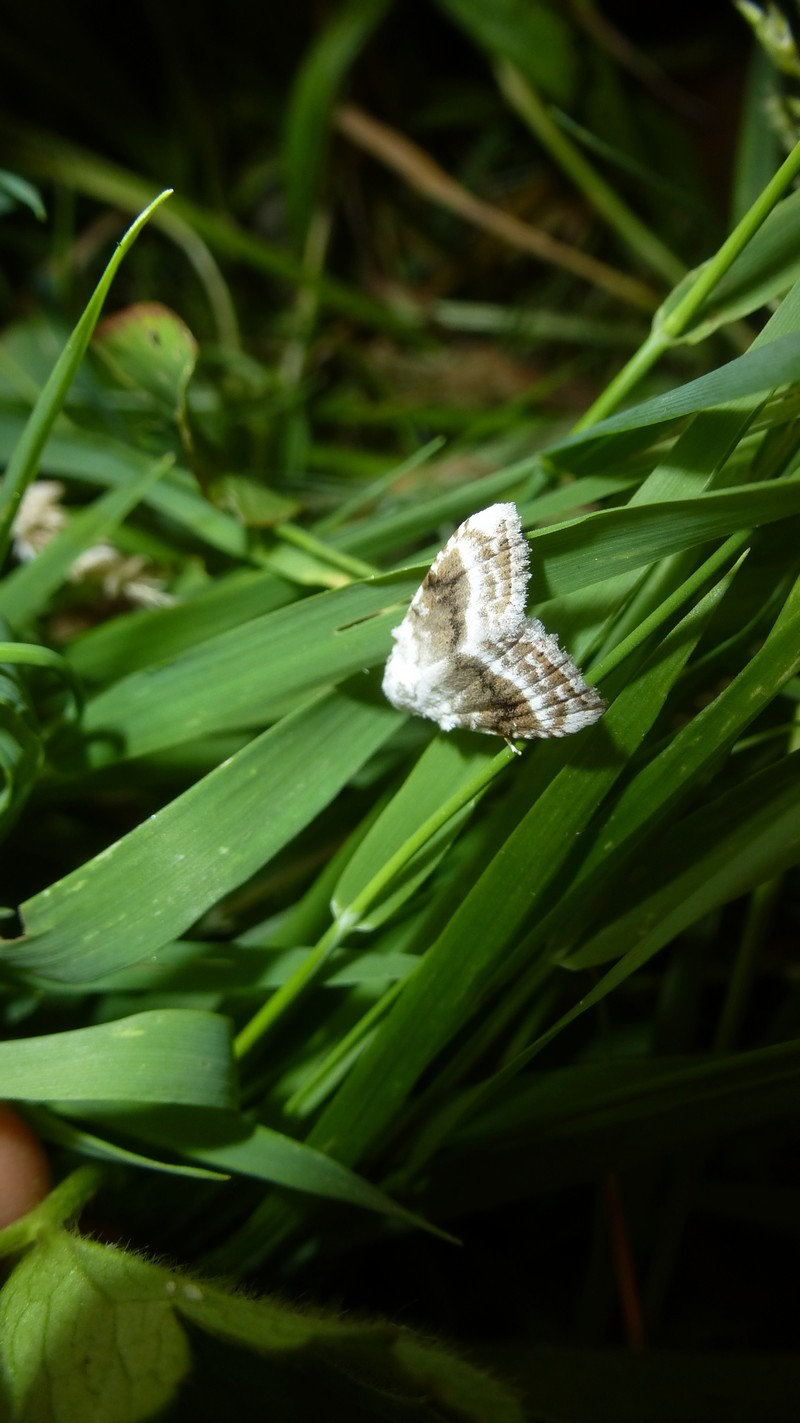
41, 516
120, 576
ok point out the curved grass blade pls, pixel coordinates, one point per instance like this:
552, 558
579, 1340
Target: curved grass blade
229, 1143
24, 462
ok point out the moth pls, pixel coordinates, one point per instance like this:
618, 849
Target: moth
466, 655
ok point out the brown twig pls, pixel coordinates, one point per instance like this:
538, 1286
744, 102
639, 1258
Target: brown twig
630, 1302
424, 174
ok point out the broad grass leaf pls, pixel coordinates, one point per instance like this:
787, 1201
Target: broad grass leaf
161, 1055
60, 1131
230, 1143
614, 541
199, 967
250, 674
404, 525
245, 675
674, 773
156, 881
764, 367
141, 639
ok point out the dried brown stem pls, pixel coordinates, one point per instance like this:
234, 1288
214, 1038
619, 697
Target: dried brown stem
424, 174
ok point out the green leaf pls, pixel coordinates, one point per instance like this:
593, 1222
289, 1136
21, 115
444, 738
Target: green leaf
21, 749
611, 542
89, 1333
673, 774
441, 770
140, 639
61, 1132
152, 884
750, 834
126, 1353
451, 981
767, 267
24, 463
248, 675
94, 458
164, 1055
557, 1128
392, 1372
761, 369
228, 1142
254, 505
149, 350
17, 192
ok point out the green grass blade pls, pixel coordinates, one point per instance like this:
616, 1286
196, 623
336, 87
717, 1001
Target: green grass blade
248, 675
750, 834
158, 1056
62, 1132
153, 883
761, 369
91, 457
442, 768
141, 639
456, 970
673, 774
308, 114
533, 35
24, 463
614, 541
229, 1143
555, 1129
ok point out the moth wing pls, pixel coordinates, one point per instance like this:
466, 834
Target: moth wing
465, 654
530, 690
